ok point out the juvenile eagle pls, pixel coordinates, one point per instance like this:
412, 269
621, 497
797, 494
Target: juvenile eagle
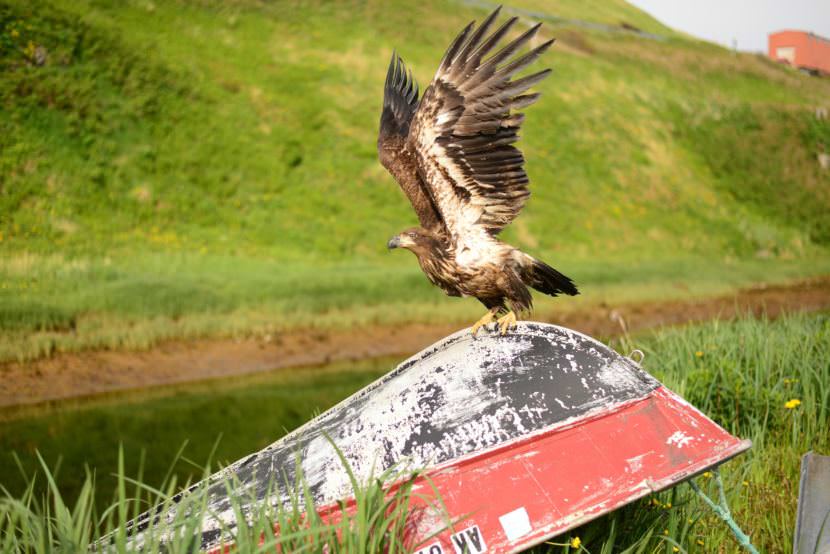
452, 154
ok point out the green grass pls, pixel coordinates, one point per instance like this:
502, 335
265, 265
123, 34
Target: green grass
607, 12
740, 373
63, 305
376, 521
188, 169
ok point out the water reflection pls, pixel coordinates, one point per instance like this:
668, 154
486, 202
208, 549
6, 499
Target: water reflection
243, 414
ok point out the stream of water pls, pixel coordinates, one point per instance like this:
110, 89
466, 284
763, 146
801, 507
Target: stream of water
234, 416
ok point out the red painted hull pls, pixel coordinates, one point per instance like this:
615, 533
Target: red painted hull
522, 494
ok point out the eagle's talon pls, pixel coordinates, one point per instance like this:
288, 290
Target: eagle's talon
507, 321
485, 320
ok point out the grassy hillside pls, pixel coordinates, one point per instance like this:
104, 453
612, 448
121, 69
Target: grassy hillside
183, 168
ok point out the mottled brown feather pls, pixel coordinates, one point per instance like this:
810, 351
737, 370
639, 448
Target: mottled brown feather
453, 155
400, 100
463, 130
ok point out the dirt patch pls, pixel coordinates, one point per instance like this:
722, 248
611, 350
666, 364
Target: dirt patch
90, 373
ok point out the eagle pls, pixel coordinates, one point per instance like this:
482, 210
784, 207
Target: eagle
452, 153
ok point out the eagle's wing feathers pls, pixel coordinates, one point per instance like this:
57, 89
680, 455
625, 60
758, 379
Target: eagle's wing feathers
464, 129
400, 101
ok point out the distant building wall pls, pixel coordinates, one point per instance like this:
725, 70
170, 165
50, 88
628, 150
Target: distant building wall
801, 49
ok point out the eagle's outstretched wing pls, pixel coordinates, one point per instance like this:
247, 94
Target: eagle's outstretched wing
464, 129
400, 101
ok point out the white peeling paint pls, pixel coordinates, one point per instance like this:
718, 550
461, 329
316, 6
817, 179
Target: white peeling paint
635, 464
450, 402
679, 439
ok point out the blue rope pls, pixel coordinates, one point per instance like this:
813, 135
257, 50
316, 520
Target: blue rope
722, 511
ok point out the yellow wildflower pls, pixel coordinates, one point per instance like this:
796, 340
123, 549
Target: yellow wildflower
699, 353
576, 542
667, 505
15, 33
665, 531
699, 542
707, 474
675, 549
791, 404
746, 483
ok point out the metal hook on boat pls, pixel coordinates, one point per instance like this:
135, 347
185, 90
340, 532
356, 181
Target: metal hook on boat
640, 356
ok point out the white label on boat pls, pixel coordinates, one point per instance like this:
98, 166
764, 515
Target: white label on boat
469, 541
515, 524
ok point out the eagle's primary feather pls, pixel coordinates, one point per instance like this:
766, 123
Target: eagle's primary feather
400, 101
453, 154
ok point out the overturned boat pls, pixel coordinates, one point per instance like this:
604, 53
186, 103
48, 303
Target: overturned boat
523, 437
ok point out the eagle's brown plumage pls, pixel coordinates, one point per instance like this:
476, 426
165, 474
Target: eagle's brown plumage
452, 154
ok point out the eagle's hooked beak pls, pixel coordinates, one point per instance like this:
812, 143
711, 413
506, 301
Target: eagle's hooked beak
394, 242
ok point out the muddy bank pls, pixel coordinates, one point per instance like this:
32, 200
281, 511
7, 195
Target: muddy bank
90, 373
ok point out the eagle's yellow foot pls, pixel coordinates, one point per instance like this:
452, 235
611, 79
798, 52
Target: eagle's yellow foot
507, 321
485, 320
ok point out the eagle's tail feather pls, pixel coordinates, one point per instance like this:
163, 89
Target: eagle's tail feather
545, 279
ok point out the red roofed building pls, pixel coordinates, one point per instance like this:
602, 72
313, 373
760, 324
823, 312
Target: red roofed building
801, 49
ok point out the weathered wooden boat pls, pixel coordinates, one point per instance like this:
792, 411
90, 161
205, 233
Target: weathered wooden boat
526, 435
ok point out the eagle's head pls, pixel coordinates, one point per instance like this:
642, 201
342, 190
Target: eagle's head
416, 239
